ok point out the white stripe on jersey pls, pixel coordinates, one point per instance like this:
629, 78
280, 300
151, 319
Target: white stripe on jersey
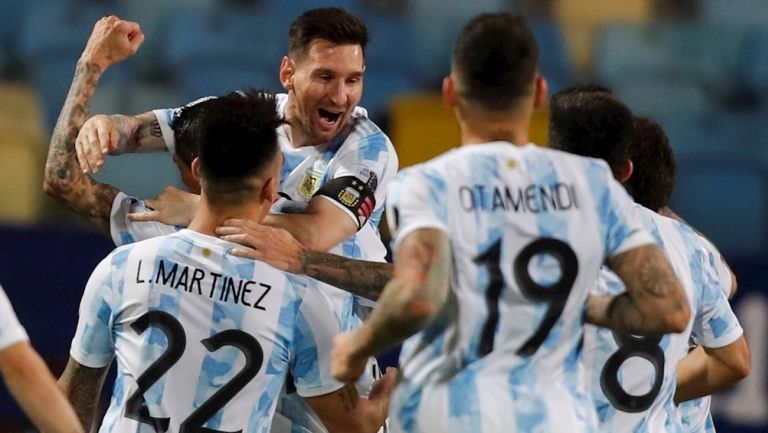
523, 222
11, 331
651, 363
215, 317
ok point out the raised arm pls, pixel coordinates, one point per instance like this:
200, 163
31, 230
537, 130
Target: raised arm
33, 386
417, 291
654, 302
112, 41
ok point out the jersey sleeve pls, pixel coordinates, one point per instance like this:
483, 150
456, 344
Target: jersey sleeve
623, 226
11, 331
124, 231
166, 117
93, 345
417, 200
715, 325
315, 328
358, 180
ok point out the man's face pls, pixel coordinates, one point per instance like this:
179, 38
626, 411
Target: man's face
326, 85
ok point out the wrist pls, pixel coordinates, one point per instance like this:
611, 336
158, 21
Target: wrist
96, 67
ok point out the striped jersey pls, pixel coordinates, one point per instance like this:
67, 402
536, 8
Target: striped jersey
529, 228
361, 150
633, 378
11, 331
202, 339
695, 414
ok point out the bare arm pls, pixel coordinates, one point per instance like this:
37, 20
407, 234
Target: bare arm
34, 387
320, 227
345, 411
112, 40
415, 294
82, 386
705, 371
654, 302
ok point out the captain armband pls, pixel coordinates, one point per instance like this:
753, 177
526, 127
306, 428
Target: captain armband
351, 195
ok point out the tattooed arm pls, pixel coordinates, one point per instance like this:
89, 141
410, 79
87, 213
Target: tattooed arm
112, 41
654, 301
417, 291
345, 411
281, 250
82, 386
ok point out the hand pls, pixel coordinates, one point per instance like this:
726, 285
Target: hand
272, 245
346, 366
173, 207
98, 136
112, 41
382, 388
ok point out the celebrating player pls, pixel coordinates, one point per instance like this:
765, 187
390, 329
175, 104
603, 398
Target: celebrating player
204, 339
629, 396
28, 378
337, 163
518, 233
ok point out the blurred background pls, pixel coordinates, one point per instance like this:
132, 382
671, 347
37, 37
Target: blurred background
699, 67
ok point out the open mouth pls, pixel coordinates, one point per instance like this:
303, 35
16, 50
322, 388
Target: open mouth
328, 117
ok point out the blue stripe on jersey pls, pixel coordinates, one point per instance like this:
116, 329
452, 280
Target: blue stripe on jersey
438, 191
218, 366
531, 415
350, 248
408, 416
306, 365
156, 342
464, 402
126, 237
371, 147
290, 162
597, 185
278, 364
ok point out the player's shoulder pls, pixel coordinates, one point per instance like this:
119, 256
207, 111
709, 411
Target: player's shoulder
364, 132
580, 162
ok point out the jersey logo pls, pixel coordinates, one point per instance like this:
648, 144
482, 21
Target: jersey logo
353, 194
310, 183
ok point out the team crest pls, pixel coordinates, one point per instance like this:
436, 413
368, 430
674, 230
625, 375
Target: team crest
310, 183
349, 196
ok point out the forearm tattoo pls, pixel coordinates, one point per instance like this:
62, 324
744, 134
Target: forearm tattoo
359, 277
63, 176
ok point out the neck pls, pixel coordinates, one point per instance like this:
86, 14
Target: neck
208, 217
482, 127
293, 127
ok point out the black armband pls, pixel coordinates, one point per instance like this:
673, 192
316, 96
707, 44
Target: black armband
352, 195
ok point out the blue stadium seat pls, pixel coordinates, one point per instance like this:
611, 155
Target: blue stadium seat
624, 51
659, 98
142, 175
11, 19
553, 54
728, 203
755, 63
735, 12
229, 48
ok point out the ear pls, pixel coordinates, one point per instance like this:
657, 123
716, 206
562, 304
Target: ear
196, 169
626, 170
287, 69
269, 190
542, 89
449, 92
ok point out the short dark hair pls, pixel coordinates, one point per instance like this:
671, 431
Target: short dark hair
238, 140
186, 128
495, 58
655, 171
332, 24
591, 123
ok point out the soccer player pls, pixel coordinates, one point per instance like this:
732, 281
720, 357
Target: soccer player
205, 340
28, 378
337, 163
720, 358
497, 246
633, 377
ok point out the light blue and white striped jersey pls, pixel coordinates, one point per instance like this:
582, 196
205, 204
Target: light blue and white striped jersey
361, 150
202, 338
529, 229
11, 331
695, 414
633, 378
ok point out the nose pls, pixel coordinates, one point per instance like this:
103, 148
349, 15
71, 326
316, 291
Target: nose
338, 93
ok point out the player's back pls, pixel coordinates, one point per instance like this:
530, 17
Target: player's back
529, 229
633, 378
203, 338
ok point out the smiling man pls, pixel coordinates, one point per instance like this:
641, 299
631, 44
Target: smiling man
337, 162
